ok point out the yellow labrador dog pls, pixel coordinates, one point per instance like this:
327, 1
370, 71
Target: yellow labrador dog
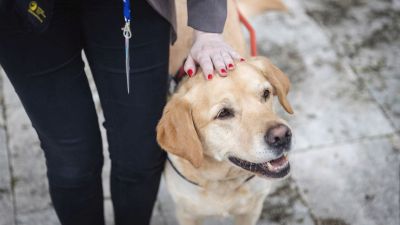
225, 143
220, 133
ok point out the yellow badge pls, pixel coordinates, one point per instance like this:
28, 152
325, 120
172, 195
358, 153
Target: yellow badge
36, 11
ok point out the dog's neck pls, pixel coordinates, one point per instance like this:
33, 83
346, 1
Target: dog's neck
210, 172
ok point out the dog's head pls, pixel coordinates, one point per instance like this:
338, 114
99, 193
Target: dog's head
231, 119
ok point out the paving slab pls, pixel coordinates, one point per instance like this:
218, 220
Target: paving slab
6, 198
331, 104
285, 205
158, 217
43, 216
355, 183
108, 212
29, 171
166, 205
367, 35
2, 74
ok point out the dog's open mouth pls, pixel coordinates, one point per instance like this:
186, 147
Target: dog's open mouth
276, 168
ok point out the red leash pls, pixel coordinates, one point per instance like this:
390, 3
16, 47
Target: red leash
252, 33
253, 42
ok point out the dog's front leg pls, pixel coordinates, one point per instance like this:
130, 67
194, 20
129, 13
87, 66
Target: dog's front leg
251, 217
186, 218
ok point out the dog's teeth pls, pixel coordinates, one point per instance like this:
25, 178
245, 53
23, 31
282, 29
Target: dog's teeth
285, 154
269, 165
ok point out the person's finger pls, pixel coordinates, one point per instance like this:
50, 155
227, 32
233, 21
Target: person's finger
219, 64
190, 66
227, 60
235, 55
206, 65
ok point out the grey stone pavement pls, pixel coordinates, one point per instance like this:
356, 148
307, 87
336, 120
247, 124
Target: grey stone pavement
343, 57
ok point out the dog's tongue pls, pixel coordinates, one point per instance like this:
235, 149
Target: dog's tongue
278, 162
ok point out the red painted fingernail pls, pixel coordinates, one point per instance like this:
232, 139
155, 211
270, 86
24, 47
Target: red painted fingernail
241, 60
190, 72
210, 76
223, 71
230, 65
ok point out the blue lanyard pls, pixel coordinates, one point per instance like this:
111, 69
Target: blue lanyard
127, 10
127, 35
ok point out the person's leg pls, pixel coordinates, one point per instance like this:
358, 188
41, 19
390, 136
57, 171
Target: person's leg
130, 119
47, 73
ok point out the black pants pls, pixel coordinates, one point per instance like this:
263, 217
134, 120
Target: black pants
48, 75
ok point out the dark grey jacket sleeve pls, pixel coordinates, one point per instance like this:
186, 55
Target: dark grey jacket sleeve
207, 15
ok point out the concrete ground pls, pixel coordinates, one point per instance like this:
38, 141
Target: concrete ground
343, 58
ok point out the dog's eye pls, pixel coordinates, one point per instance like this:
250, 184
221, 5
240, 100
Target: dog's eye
225, 113
266, 94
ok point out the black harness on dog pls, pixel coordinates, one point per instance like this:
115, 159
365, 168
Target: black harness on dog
195, 183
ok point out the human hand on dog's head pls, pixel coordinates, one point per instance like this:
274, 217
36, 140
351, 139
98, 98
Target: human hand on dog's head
210, 51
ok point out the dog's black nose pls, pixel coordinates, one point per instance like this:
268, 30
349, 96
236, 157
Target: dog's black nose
279, 137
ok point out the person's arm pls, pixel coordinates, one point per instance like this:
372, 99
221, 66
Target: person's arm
207, 15
209, 50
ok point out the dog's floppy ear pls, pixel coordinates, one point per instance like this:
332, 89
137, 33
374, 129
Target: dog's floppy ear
276, 77
176, 132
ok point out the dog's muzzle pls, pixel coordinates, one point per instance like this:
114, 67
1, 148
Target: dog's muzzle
276, 168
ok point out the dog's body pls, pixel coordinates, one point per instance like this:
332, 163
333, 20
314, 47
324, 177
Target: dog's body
218, 192
220, 133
